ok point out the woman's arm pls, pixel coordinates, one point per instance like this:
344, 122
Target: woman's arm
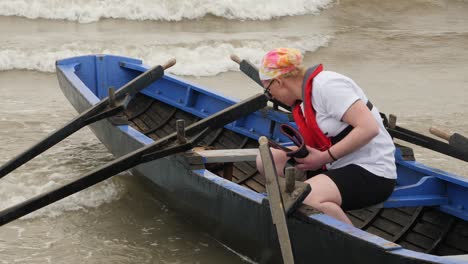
365, 129
365, 126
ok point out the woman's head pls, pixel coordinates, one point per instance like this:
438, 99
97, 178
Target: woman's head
279, 62
281, 73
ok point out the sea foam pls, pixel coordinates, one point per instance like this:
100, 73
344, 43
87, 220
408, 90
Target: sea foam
55, 168
85, 11
195, 58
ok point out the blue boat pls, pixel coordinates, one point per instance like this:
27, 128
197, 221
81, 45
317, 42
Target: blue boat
424, 221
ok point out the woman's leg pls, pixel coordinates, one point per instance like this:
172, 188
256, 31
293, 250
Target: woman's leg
280, 159
326, 197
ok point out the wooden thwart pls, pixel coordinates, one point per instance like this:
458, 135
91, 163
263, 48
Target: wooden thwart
291, 199
227, 155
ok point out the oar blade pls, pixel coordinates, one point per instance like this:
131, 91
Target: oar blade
459, 142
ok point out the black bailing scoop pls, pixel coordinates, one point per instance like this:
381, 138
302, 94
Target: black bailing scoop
296, 137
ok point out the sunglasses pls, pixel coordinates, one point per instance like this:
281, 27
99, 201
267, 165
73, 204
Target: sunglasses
267, 89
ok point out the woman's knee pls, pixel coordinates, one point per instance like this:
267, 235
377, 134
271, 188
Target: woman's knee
259, 163
279, 157
324, 190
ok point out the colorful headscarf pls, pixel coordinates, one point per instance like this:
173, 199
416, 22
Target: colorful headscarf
278, 62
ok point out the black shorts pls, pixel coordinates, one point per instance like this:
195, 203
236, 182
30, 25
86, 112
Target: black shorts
358, 187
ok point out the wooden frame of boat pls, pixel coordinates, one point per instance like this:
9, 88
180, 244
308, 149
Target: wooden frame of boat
424, 221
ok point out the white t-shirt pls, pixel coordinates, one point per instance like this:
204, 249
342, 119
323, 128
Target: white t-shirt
332, 95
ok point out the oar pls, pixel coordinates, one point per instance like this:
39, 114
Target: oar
423, 140
252, 72
395, 131
101, 110
166, 146
276, 201
454, 139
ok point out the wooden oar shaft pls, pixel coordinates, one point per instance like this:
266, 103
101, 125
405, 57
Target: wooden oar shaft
145, 154
276, 201
85, 118
229, 114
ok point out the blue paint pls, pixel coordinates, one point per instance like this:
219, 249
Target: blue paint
447, 190
356, 232
236, 188
429, 191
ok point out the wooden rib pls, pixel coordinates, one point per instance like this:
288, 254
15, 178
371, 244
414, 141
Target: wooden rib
241, 181
217, 134
163, 122
141, 111
370, 219
410, 225
390, 228
244, 142
361, 214
158, 114
442, 236
140, 124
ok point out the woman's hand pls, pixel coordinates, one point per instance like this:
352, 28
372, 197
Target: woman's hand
314, 160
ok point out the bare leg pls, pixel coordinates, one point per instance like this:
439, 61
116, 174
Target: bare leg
280, 159
326, 197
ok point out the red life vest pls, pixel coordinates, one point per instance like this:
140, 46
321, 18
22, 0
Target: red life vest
313, 135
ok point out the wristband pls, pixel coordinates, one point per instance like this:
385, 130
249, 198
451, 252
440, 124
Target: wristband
331, 155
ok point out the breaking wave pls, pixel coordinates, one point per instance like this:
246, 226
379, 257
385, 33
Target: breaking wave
200, 58
85, 11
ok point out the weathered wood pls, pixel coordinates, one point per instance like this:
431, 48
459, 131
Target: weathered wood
111, 93
276, 202
180, 128
227, 171
392, 121
290, 179
228, 155
293, 200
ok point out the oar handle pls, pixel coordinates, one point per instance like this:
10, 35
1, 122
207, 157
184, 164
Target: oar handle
169, 64
236, 58
252, 72
440, 133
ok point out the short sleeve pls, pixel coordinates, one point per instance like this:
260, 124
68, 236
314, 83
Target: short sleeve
336, 95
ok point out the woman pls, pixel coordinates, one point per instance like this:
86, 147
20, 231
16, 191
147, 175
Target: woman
343, 132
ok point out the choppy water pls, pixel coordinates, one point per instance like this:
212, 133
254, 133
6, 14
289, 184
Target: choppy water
410, 58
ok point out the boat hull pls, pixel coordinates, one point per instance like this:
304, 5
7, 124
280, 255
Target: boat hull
237, 217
